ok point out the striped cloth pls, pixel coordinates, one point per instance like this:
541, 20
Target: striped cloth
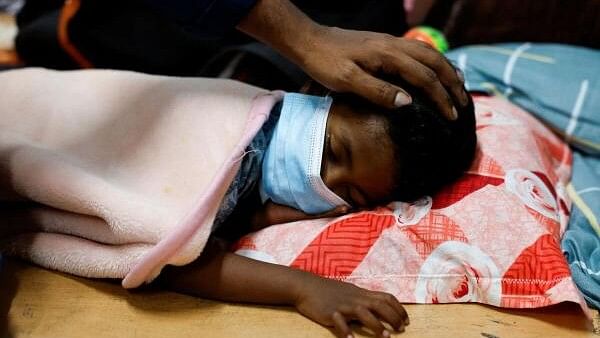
560, 85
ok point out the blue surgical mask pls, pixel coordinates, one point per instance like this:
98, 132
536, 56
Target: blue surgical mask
291, 169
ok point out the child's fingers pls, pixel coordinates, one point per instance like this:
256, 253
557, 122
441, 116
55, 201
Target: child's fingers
369, 320
389, 314
393, 302
341, 326
338, 211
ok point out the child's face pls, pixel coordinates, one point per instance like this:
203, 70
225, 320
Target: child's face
358, 157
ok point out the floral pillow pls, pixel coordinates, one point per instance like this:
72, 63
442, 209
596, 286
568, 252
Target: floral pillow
492, 237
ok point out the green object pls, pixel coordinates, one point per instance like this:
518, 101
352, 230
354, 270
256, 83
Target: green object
436, 36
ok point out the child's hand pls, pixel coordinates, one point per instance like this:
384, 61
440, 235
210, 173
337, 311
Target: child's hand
334, 303
273, 213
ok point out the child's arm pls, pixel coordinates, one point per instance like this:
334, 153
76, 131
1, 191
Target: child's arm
222, 275
257, 215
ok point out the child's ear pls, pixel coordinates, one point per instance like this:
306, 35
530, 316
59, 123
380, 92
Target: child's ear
312, 87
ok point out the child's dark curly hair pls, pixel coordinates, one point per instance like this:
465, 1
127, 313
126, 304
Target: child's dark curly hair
430, 150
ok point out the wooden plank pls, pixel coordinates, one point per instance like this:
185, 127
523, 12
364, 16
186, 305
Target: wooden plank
42, 303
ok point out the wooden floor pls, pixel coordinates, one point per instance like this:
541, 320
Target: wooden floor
41, 303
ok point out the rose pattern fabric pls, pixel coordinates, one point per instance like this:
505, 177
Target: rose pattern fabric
489, 116
465, 274
491, 237
532, 191
410, 213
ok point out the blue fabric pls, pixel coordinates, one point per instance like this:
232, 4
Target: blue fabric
581, 243
204, 18
581, 247
291, 172
560, 85
247, 177
547, 80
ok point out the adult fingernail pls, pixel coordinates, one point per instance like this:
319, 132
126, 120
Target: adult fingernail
402, 99
349, 336
385, 333
454, 114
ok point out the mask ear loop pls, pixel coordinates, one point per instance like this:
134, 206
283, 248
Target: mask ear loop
324, 100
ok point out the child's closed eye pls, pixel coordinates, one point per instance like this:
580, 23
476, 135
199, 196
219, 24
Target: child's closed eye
356, 198
347, 196
331, 155
339, 158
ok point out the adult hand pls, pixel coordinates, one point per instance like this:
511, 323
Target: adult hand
351, 61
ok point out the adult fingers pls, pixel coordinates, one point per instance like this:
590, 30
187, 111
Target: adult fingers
446, 72
424, 78
341, 326
375, 90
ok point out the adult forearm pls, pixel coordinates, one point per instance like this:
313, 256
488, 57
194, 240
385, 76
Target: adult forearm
281, 25
353, 61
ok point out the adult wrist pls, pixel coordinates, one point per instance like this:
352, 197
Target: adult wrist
284, 27
300, 48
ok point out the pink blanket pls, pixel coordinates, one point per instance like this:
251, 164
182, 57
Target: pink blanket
128, 169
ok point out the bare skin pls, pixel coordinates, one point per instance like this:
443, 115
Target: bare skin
356, 162
350, 61
356, 165
222, 275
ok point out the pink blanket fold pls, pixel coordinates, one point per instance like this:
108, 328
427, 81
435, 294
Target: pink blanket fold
128, 169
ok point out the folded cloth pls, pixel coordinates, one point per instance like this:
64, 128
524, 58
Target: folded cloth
581, 246
557, 83
560, 85
128, 170
581, 241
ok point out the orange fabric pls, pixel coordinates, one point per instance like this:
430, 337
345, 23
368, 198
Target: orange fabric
69, 10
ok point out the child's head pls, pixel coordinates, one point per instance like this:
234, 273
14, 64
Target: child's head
326, 153
373, 155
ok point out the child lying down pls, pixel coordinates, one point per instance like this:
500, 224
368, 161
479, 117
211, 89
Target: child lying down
313, 157
327, 156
